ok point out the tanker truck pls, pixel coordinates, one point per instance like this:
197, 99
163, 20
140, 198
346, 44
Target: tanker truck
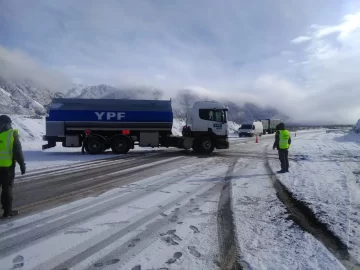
97, 125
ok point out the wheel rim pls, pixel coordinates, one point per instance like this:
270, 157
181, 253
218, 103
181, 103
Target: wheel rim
94, 146
206, 145
121, 145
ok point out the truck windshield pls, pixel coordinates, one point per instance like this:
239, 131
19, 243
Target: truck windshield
213, 115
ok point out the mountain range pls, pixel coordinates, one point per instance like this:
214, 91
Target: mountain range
26, 97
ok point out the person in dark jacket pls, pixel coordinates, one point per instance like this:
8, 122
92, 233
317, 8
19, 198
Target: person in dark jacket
10, 153
282, 144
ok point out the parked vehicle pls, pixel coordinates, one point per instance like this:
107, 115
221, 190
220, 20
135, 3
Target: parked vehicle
254, 129
101, 124
270, 125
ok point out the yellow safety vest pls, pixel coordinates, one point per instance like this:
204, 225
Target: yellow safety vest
6, 148
284, 139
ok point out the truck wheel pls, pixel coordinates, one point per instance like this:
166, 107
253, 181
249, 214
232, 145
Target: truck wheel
207, 146
95, 145
120, 145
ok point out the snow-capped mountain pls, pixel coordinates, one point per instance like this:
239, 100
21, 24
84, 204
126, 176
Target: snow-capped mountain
24, 97
110, 92
27, 97
75, 91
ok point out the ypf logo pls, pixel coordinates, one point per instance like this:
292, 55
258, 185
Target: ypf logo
110, 115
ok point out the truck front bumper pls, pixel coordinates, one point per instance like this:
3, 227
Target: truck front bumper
222, 143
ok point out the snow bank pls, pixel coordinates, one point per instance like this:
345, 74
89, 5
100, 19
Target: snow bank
233, 127
31, 129
267, 238
324, 175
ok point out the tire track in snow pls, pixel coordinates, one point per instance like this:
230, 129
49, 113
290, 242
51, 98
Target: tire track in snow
82, 170
226, 228
65, 188
129, 175
303, 216
146, 237
39, 230
61, 169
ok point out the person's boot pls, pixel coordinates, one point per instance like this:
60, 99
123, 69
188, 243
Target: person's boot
11, 213
281, 171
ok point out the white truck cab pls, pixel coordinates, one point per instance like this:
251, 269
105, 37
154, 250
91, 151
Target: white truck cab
206, 116
207, 121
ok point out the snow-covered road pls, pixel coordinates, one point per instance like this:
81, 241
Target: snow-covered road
166, 210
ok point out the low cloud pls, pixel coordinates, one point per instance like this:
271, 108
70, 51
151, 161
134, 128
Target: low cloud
300, 39
16, 65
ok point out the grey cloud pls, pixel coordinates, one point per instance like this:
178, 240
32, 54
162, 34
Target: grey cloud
17, 66
232, 48
300, 39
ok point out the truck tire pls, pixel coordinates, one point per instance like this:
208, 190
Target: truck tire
95, 145
207, 146
120, 145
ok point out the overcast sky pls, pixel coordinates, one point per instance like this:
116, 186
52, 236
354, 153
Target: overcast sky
298, 56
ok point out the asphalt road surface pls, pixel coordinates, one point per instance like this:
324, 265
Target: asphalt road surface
149, 210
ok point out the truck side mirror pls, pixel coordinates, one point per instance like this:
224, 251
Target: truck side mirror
253, 127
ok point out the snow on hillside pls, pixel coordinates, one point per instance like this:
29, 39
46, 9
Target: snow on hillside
30, 129
356, 128
177, 127
3, 92
23, 98
75, 91
233, 127
110, 92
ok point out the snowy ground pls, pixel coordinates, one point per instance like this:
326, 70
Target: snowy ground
168, 218
325, 174
165, 209
267, 239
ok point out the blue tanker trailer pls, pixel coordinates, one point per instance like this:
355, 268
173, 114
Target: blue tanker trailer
120, 124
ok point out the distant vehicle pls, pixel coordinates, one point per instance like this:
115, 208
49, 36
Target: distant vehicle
254, 129
120, 124
269, 125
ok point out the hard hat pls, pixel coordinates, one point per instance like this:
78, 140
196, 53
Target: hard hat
5, 119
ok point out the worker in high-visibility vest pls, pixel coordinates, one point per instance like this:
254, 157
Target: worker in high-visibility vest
10, 153
282, 144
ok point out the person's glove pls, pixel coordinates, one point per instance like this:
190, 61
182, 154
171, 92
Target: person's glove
23, 169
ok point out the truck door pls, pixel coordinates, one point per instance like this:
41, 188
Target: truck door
215, 120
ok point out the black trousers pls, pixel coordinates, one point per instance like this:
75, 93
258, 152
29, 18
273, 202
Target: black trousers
7, 176
284, 159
